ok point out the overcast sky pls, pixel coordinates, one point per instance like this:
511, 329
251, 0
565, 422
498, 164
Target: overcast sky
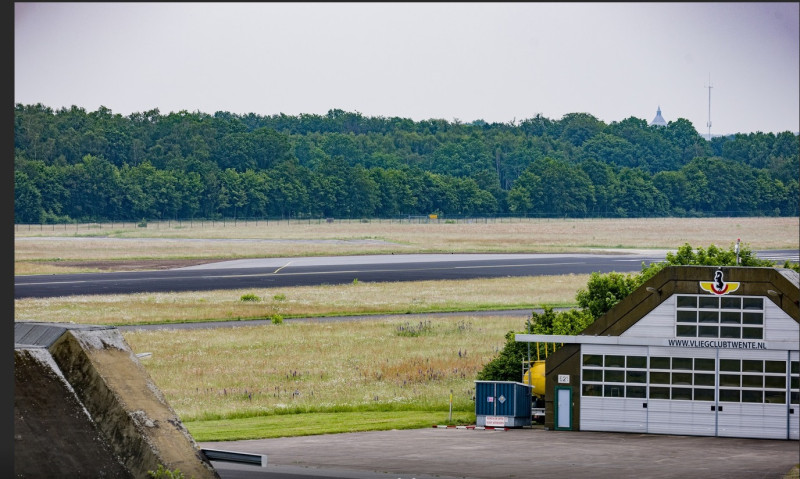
499, 62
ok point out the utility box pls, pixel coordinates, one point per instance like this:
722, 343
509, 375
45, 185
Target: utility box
502, 404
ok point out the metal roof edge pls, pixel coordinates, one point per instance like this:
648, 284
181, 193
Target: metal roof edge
30, 334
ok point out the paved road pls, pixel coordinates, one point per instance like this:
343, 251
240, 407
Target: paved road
517, 453
284, 272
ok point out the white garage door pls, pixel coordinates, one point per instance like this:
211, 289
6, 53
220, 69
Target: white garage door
753, 399
688, 391
614, 388
681, 391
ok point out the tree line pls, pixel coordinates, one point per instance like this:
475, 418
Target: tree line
73, 165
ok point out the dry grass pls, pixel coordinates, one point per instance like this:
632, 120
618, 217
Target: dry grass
35, 247
305, 301
321, 366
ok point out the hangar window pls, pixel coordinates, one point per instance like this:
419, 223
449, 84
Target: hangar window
689, 379
739, 380
734, 317
680, 378
614, 375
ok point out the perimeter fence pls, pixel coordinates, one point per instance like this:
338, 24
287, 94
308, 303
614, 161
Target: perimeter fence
170, 224
256, 222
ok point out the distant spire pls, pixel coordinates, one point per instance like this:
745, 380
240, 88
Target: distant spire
658, 120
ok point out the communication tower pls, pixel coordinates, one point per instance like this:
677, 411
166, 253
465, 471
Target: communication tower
708, 124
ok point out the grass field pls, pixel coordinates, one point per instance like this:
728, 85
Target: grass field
390, 365
58, 249
326, 377
307, 301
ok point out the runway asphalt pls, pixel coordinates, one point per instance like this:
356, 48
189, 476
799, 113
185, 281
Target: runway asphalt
288, 272
313, 271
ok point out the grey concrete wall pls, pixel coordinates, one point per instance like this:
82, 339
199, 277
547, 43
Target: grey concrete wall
85, 407
54, 436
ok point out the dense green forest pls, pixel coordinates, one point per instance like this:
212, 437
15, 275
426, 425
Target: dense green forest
73, 165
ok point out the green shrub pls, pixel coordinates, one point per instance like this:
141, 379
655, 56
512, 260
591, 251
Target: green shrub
793, 266
603, 291
250, 297
507, 365
279, 297
163, 473
715, 256
276, 319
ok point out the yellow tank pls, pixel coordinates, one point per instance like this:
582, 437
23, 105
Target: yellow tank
534, 377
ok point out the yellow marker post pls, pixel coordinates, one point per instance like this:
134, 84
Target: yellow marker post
450, 416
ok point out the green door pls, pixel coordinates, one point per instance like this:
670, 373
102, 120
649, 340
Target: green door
563, 408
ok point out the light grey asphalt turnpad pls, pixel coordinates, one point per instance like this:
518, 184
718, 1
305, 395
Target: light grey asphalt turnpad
515, 453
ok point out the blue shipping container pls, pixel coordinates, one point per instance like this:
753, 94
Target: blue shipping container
502, 403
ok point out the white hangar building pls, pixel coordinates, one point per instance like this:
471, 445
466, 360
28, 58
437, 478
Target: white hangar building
697, 350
